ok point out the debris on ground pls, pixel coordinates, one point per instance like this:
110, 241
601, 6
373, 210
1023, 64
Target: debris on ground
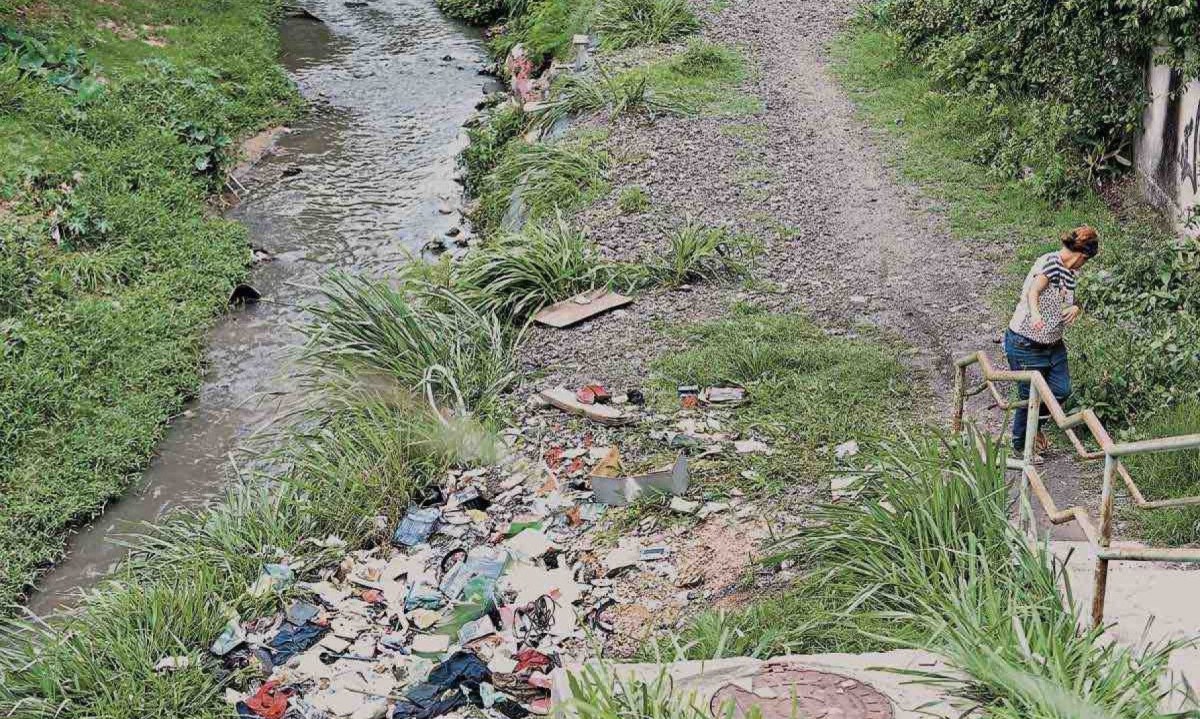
580, 307
493, 577
614, 490
565, 400
846, 450
729, 396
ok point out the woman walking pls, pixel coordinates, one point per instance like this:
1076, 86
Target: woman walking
1034, 340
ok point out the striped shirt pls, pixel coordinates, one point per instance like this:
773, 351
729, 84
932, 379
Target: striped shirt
1059, 295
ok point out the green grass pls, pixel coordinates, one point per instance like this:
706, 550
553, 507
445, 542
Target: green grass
613, 95
515, 275
930, 546
111, 263
1134, 348
424, 337
704, 77
696, 253
807, 619
633, 200
535, 182
629, 23
807, 390
1168, 475
363, 457
600, 692
545, 27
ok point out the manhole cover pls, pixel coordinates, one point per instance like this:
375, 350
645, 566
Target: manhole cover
781, 693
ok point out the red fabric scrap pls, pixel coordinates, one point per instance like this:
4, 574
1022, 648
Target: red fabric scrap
531, 659
270, 701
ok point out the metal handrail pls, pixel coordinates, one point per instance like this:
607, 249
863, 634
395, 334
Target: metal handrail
1099, 538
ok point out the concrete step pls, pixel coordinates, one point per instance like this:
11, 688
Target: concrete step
1163, 597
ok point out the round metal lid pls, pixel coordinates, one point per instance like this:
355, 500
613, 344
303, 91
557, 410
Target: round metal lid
788, 693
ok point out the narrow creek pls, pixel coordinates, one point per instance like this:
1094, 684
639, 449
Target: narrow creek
358, 184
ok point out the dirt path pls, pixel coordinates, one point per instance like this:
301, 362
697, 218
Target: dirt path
846, 241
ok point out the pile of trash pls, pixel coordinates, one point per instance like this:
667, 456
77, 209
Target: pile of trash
488, 583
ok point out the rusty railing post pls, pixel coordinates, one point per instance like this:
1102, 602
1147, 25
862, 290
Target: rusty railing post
960, 398
1100, 586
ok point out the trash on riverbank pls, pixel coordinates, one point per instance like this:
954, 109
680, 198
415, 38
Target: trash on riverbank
565, 400
612, 490
729, 396
580, 307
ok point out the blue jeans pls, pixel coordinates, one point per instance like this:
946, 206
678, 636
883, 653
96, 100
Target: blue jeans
1051, 360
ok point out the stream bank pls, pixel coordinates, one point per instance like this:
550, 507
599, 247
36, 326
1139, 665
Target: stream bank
359, 184
349, 484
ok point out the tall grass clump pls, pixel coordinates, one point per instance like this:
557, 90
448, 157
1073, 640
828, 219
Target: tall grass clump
364, 456
702, 58
601, 692
629, 23
428, 339
487, 138
633, 200
932, 547
696, 253
535, 182
612, 95
1165, 475
517, 274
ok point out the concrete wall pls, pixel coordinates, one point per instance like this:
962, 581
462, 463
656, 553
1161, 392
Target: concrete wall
1167, 162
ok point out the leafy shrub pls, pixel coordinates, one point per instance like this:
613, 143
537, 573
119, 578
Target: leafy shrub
1168, 475
474, 12
65, 67
1073, 70
633, 200
628, 23
1139, 345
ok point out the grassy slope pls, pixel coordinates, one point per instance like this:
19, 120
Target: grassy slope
103, 329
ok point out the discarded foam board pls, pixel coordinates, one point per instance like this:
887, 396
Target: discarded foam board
672, 479
580, 307
564, 399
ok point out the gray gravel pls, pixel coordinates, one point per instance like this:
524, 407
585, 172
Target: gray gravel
845, 241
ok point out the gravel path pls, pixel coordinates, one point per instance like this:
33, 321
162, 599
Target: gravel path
845, 241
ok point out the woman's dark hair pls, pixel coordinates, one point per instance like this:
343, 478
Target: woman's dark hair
1082, 239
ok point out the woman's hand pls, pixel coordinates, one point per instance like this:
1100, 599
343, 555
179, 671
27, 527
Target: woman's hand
1037, 323
1071, 314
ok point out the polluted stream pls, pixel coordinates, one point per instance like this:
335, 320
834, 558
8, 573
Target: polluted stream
361, 183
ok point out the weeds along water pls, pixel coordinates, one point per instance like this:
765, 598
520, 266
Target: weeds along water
117, 121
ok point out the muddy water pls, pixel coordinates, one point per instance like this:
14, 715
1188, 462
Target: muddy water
358, 185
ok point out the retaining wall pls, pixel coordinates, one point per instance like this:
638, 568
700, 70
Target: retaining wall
1167, 163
